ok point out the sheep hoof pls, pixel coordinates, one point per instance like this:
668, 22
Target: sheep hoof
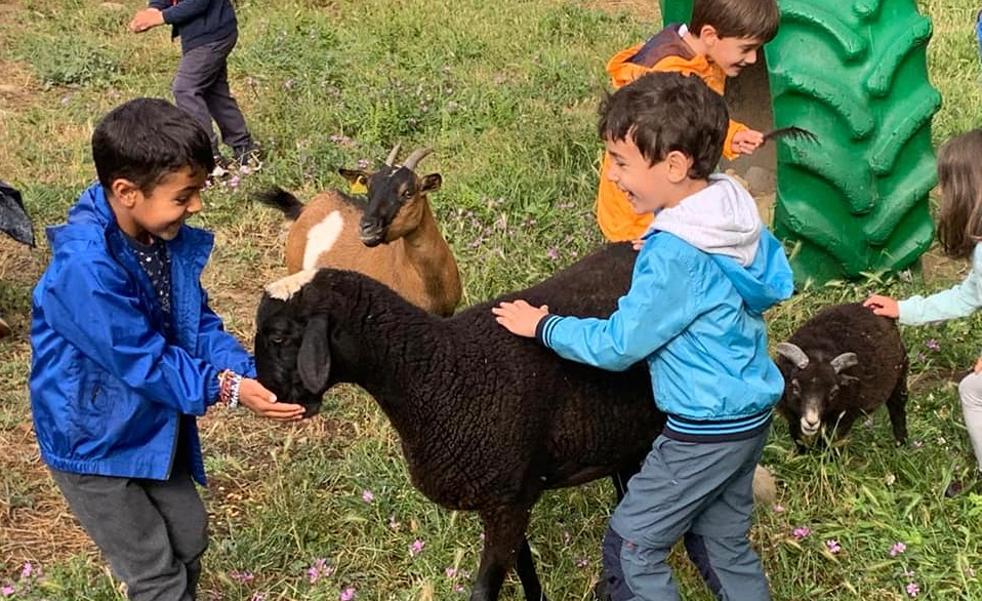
765, 487
284, 288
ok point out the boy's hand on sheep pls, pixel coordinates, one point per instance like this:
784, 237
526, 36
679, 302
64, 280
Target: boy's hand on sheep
883, 305
519, 317
978, 365
263, 403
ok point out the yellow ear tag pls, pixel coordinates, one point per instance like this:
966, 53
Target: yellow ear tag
358, 186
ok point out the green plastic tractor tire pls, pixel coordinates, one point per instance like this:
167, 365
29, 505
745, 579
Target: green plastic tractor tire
853, 72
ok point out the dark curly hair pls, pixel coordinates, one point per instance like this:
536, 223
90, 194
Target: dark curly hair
662, 112
145, 139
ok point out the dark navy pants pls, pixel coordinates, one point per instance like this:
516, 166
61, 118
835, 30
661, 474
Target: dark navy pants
201, 88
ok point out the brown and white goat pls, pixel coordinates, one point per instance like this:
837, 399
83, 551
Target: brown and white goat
391, 237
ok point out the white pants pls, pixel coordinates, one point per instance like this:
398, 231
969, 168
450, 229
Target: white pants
970, 391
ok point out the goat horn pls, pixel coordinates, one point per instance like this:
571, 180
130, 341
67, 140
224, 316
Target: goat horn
844, 361
392, 155
793, 353
416, 157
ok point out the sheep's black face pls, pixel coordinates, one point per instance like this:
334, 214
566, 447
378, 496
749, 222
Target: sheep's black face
812, 385
291, 357
394, 205
812, 392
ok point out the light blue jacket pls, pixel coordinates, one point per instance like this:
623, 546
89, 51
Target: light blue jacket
960, 300
705, 275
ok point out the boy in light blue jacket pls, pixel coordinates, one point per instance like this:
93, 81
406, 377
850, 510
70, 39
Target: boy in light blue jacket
706, 272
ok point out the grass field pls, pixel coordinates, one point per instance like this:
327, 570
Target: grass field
506, 92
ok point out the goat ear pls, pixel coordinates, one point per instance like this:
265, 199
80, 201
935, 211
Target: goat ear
314, 358
430, 183
844, 361
353, 175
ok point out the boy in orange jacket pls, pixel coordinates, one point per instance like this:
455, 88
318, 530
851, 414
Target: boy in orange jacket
722, 38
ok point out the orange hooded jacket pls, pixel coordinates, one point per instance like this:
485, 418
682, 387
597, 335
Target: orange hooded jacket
665, 51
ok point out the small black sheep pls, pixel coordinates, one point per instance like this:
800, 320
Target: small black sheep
488, 421
841, 364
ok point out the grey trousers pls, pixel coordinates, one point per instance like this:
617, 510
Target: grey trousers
201, 88
970, 391
152, 532
697, 490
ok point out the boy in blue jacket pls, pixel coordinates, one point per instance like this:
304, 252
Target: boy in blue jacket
208, 30
706, 272
126, 351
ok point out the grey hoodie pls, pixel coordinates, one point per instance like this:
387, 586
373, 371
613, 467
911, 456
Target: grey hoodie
720, 220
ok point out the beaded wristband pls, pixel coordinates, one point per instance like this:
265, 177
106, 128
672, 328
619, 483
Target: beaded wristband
228, 388
233, 399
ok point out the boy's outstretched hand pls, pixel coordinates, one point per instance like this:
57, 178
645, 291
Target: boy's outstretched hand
519, 317
263, 403
747, 141
883, 305
145, 19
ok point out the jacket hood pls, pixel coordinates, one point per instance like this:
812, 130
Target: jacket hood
88, 219
91, 220
722, 220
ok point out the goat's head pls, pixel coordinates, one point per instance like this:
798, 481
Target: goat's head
293, 357
812, 385
396, 202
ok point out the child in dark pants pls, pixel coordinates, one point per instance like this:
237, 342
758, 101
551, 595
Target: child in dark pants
208, 32
706, 272
126, 352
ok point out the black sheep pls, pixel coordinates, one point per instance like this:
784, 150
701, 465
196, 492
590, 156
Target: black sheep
842, 363
487, 420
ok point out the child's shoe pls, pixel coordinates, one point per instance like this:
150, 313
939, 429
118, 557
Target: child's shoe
248, 160
222, 167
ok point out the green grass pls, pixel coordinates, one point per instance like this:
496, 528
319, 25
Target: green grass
506, 92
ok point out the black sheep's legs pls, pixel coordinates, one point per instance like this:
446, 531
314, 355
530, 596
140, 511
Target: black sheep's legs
504, 533
525, 566
897, 407
843, 425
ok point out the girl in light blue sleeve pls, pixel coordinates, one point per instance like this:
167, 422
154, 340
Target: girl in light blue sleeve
960, 234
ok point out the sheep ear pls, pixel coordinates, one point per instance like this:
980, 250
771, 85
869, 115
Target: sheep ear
793, 353
314, 359
844, 361
847, 380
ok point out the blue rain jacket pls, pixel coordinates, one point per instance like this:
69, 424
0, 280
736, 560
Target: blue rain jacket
108, 391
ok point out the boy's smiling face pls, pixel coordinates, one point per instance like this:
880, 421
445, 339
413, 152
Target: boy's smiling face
649, 188
163, 210
732, 54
